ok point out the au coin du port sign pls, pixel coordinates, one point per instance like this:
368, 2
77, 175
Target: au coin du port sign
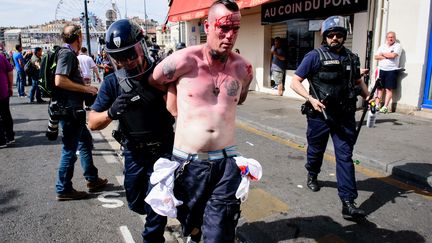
292, 9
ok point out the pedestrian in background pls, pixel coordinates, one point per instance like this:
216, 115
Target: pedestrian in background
7, 135
35, 67
278, 65
388, 56
70, 95
105, 64
332, 71
27, 58
19, 67
211, 80
87, 65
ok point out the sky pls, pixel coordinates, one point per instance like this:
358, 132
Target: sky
21, 13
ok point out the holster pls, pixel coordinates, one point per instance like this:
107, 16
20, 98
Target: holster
307, 109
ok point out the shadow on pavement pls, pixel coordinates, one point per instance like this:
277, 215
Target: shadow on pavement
384, 190
320, 229
5, 198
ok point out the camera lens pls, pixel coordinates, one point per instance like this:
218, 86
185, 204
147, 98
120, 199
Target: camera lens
52, 130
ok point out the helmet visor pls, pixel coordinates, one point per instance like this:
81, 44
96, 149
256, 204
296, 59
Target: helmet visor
131, 61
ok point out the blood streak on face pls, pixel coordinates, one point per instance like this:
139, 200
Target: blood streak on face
226, 29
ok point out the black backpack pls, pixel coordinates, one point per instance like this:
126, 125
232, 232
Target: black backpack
47, 72
29, 69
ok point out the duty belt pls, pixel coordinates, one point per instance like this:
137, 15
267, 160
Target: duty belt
148, 145
227, 152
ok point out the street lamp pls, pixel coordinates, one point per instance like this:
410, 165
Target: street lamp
125, 10
145, 17
87, 27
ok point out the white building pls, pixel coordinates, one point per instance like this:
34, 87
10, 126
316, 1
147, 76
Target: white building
298, 22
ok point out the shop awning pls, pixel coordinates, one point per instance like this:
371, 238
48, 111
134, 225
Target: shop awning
184, 10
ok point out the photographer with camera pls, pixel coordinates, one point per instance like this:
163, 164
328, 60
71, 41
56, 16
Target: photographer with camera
69, 98
145, 126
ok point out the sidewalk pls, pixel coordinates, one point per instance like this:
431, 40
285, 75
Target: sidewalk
398, 145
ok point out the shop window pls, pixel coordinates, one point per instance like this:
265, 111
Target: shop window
299, 42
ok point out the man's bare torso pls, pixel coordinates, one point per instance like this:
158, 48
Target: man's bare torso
207, 98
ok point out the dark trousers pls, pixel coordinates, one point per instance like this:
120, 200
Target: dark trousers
6, 122
342, 132
20, 82
35, 91
207, 189
138, 168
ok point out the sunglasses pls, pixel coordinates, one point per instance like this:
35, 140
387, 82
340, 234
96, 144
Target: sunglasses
338, 35
123, 56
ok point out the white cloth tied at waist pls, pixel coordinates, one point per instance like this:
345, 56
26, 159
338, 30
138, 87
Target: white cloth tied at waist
251, 170
161, 197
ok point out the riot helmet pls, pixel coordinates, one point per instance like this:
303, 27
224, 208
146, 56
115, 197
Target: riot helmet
127, 49
335, 24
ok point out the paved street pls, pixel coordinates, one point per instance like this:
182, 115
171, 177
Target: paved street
279, 209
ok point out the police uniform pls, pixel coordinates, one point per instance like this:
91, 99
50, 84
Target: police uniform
332, 75
146, 133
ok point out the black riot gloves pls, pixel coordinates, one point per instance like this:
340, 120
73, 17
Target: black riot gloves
120, 105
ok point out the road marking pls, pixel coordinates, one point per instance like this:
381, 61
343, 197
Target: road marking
97, 136
331, 158
253, 209
110, 158
127, 236
120, 180
110, 202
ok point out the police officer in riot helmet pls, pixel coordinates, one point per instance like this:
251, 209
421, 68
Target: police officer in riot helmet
145, 126
333, 72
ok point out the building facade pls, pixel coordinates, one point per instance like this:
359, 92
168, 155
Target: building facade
297, 22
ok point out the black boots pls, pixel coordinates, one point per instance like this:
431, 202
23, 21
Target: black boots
350, 211
312, 183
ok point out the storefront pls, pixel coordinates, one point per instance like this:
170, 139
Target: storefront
298, 22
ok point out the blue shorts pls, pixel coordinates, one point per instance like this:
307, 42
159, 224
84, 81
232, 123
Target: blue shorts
207, 183
388, 79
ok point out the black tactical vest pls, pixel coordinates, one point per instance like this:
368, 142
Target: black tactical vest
147, 120
334, 82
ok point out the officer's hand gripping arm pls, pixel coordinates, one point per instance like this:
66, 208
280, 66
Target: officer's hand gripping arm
120, 105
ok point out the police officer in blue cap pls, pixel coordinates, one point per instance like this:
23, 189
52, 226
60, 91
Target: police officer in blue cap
145, 125
333, 72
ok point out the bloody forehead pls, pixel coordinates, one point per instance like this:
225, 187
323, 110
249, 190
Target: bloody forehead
231, 19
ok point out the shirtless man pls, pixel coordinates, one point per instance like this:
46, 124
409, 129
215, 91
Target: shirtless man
210, 81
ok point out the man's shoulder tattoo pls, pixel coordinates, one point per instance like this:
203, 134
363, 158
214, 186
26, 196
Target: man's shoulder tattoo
232, 87
169, 70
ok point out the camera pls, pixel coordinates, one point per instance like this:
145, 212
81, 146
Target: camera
52, 130
56, 111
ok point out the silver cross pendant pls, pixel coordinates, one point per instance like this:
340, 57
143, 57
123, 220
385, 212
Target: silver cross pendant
216, 91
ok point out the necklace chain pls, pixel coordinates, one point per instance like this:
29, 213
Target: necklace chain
216, 85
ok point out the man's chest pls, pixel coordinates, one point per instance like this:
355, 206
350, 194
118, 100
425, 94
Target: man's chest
207, 85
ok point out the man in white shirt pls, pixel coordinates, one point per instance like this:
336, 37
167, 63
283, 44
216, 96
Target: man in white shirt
86, 66
388, 56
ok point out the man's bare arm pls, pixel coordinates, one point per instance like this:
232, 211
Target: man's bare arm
170, 69
98, 120
246, 83
64, 82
